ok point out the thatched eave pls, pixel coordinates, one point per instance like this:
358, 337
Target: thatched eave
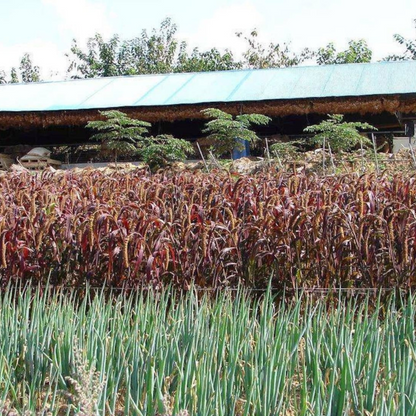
404, 104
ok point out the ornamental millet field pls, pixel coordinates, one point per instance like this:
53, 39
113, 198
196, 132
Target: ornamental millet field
210, 230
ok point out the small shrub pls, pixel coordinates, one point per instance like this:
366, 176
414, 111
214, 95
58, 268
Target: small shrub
119, 133
339, 134
285, 150
158, 152
86, 384
227, 132
124, 135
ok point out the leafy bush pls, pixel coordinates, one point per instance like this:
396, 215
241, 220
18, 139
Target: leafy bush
339, 134
285, 150
124, 135
119, 133
160, 151
227, 132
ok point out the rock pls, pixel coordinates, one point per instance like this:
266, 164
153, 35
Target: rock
195, 165
178, 166
18, 168
123, 166
246, 166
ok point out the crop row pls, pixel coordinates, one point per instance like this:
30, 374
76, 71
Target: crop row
214, 230
231, 356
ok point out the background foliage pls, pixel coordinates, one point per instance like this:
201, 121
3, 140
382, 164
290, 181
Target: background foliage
160, 51
28, 72
156, 53
409, 52
357, 52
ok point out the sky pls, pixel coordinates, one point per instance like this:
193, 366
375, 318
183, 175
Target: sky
46, 28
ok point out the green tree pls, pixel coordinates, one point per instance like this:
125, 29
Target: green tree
339, 134
158, 152
146, 54
152, 53
227, 131
126, 136
119, 133
28, 71
410, 48
273, 55
357, 52
102, 59
14, 78
212, 60
157, 52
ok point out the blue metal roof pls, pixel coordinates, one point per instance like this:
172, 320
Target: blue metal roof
350, 80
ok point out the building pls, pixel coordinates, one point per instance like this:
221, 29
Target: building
55, 113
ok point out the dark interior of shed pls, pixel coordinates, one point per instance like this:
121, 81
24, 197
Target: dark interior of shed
73, 145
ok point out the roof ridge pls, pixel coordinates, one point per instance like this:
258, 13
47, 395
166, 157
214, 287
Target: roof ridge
209, 72
302, 82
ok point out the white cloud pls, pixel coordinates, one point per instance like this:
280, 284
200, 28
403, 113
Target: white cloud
81, 18
307, 23
46, 55
304, 23
219, 30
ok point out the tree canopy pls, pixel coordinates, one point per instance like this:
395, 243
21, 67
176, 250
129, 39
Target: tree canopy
409, 52
159, 51
27, 72
273, 55
211, 60
357, 52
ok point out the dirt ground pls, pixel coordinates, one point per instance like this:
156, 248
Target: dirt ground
307, 162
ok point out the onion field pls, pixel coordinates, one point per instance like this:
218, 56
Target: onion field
230, 354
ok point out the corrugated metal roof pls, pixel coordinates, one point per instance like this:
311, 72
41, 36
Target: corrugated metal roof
350, 80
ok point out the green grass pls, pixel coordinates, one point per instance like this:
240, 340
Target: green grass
155, 355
